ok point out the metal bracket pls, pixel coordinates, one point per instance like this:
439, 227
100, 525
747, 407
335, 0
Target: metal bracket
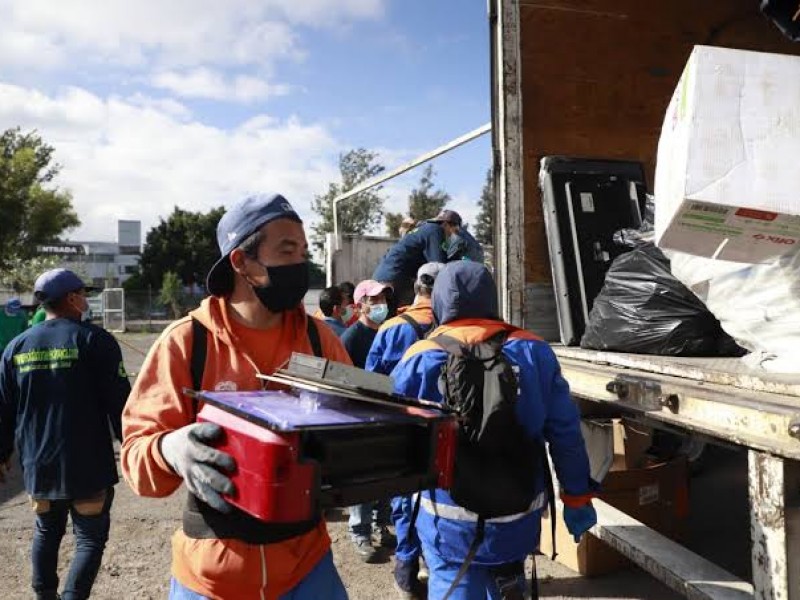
794, 428
645, 393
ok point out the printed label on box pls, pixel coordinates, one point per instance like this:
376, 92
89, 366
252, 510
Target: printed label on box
587, 202
648, 494
760, 227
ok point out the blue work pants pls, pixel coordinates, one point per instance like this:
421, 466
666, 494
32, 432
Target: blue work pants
90, 525
362, 517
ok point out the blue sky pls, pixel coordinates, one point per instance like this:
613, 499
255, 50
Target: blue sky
199, 102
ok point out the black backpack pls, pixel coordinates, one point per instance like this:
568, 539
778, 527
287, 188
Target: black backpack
496, 464
497, 461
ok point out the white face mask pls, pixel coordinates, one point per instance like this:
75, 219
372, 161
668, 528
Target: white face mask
86, 313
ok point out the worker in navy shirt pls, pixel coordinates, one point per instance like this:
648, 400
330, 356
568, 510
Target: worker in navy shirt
461, 245
62, 390
399, 266
331, 302
371, 301
370, 298
441, 239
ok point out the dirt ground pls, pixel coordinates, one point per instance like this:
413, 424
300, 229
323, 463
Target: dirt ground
137, 558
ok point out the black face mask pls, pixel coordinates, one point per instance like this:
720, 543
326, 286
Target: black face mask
288, 285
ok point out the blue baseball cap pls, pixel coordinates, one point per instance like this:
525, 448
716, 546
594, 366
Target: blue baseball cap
447, 216
236, 225
57, 283
13, 306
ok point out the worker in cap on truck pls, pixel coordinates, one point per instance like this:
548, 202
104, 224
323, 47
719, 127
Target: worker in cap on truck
440, 239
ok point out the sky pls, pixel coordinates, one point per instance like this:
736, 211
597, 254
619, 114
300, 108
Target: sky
199, 103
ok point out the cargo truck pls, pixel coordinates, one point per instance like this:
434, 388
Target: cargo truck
593, 78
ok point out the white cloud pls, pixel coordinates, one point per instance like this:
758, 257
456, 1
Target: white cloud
207, 83
168, 34
136, 158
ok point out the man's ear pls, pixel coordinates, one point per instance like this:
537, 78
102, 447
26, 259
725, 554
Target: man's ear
238, 264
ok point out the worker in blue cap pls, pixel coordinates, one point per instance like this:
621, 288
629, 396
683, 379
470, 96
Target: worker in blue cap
12, 322
62, 390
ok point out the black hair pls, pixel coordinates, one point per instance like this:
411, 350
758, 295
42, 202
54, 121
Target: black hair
52, 305
330, 298
347, 288
424, 285
251, 243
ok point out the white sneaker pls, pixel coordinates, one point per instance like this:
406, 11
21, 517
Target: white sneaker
423, 573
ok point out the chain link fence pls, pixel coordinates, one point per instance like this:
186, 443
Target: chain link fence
145, 311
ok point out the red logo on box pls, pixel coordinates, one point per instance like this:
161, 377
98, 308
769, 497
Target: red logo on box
775, 239
761, 215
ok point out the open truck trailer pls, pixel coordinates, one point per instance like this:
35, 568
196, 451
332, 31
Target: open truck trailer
593, 78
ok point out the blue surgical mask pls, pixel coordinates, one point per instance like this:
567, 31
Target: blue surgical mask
378, 313
347, 313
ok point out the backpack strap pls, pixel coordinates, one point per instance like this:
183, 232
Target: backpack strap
197, 364
449, 344
473, 550
551, 499
313, 336
418, 329
456, 347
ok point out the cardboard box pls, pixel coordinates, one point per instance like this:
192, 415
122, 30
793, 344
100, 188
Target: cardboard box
728, 171
656, 495
636, 440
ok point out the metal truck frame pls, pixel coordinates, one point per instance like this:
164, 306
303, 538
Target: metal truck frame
593, 78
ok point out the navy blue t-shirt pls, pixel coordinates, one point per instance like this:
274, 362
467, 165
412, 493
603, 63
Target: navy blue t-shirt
62, 389
465, 247
420, 246
357, 340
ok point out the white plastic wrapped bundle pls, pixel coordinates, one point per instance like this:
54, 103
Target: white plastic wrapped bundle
759, 305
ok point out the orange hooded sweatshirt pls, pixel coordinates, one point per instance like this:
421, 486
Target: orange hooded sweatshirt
226, 569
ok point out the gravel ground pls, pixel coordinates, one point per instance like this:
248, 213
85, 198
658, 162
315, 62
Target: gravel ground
136, 562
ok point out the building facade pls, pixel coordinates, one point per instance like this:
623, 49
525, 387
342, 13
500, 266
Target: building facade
104, 264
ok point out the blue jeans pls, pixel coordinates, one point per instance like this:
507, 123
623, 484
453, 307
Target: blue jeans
322, 583
361, 517
408, 548
479, 583
91, 535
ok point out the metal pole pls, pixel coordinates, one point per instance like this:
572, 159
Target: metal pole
367, 185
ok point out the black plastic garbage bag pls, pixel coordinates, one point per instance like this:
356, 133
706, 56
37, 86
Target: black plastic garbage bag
785, 14
643, 309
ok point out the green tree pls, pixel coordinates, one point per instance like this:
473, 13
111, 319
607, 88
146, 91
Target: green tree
33, 210
184, 243
172, 293
317, 276
19, 274
135, 282
358, 214
425, 202
393, 222
484, 227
